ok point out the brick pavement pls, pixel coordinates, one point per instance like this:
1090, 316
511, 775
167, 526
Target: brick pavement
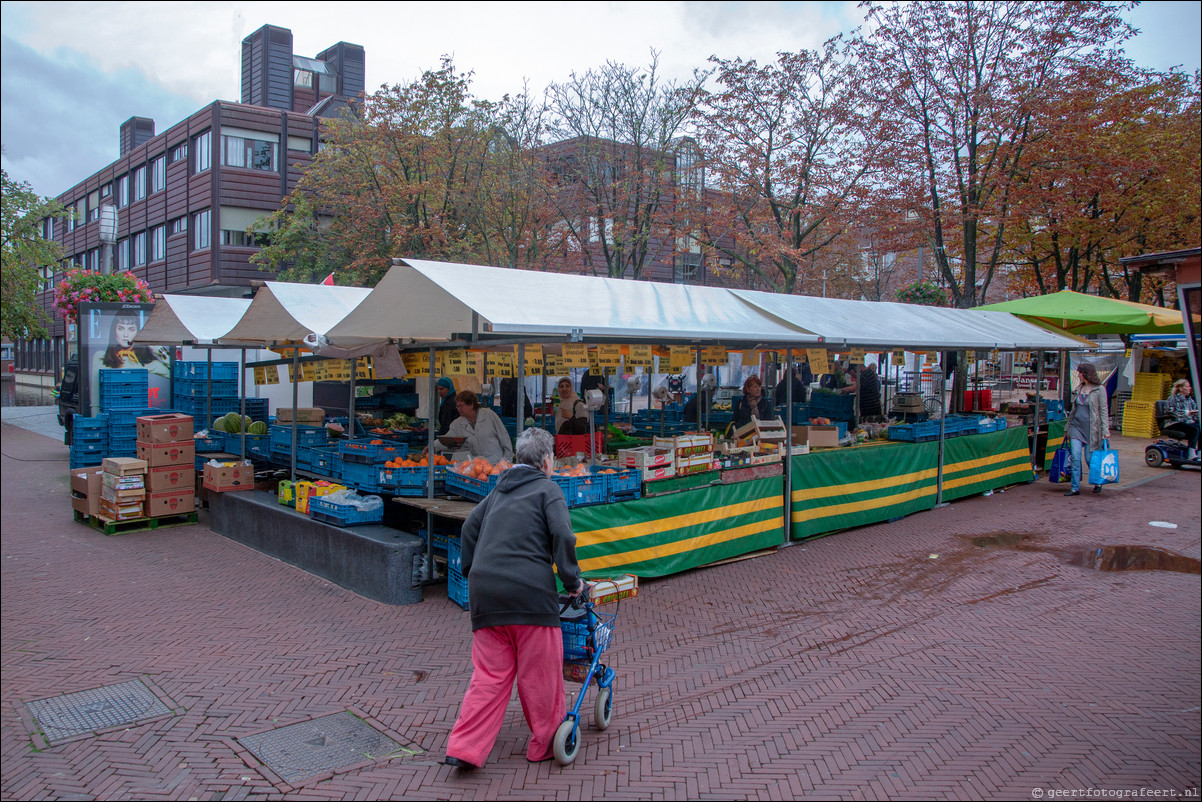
957, 653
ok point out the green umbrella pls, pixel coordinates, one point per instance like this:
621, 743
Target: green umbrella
1078, 313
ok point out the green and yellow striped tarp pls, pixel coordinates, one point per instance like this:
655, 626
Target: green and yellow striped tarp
668, 534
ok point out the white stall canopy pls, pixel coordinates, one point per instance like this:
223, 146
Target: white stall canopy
886, 325
191, 319
422, 301
284, 312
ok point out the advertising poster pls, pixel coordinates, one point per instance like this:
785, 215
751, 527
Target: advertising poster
106, 333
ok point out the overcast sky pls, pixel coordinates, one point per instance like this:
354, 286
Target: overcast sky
71, 73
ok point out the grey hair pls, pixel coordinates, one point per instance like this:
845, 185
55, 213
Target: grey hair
533, 446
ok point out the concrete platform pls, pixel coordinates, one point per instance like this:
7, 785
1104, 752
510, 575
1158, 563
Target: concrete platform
375, 561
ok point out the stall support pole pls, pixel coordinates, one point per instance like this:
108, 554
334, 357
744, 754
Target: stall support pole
703, 415
519, 410
242, 401
209, 387
431, 568
942, 434
295, 396
787, 447
1035, 414
350, 405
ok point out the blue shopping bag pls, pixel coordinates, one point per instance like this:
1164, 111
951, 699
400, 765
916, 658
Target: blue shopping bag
1104, 465
1062, 464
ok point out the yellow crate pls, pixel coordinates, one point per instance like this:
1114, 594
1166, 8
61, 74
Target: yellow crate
307, 490
287, 493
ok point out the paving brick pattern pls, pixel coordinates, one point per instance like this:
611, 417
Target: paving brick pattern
957, 653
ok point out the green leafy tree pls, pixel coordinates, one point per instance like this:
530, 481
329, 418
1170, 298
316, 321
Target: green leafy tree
24, 250
923, 293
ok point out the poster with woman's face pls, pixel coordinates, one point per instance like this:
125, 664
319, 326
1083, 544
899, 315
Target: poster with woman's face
106, 334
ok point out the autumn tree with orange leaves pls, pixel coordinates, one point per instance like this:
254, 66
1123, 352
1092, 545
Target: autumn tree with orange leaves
789, 151
1117, 174
961, 86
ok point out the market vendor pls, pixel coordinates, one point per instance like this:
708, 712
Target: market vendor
483, 432
572, 415
753, 404
867, 385
446, 409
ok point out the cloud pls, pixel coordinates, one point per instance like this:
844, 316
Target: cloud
61, 114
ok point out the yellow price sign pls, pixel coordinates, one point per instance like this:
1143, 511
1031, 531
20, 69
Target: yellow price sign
455, 362
321, 371
552, 365
713, 355
898, 358
575, 355
416, 364
364, 369
819, 364
534, 359
679, 357
308, 371
857, 356
609, 356
499, 364
640, 356
260, 376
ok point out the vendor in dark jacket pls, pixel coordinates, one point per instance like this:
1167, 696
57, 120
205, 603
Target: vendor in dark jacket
447, 411
510, 544
753, 404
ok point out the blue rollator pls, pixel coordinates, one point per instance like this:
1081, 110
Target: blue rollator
587, 634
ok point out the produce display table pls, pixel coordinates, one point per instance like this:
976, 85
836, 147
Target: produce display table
375, 561
454, 508
840, 488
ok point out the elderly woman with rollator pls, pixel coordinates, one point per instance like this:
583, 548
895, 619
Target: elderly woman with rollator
510, 544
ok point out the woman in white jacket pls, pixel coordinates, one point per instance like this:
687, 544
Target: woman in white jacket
483, 432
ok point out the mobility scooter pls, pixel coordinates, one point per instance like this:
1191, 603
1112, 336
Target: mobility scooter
1173, 445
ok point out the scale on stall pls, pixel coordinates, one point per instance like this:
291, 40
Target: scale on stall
593, 401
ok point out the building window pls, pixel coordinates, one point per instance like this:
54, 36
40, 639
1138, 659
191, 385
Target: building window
70, 219
123, 192
201, 222
252, 154
94, 206
106, 191
158, 244
140, 183
241, 239
139, 249
48, 228
123, 254
179, 226
158, 174
93, 262
179, 152
204, 151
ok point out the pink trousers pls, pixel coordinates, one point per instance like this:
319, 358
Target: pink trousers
532, 655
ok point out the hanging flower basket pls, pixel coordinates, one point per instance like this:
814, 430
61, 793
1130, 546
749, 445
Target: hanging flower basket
87, 286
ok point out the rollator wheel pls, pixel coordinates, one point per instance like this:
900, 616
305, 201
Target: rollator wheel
566, 744
603, 709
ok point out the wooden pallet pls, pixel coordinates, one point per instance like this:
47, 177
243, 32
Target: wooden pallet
136, 524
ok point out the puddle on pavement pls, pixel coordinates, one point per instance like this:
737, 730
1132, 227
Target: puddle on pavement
1101, 558
1137, 558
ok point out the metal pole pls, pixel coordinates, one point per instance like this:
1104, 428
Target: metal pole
209, 388
1035, 414
350, 406
242, 397
703, 415
295, 391
431, 568
942, 432
787, 447
519, 409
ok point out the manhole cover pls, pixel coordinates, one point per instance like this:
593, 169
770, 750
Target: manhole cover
319, 746
64, 717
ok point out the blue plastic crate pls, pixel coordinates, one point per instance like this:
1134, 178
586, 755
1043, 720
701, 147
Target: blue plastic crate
358, 475
470, 487
123, 444
411, 481
117, 377
81, 436
200, 370
577, 645
319, 459
581, 491
186, 388
281, 436
110, 400
456, 583
342, 514
915, 432
96, 423
1054, 404
214, 442
363, 450
202, 408
129, 417
99, 447
624, 485
830, 405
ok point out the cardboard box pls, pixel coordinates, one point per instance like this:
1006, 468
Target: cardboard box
121, 497
658, 472
698, 463
124, 466
605, 591
307, 490
307, 416
86, 484
686, 445
124, 511
157, 455
171, 477
117, 482
170, 428
645, 457
171, 502
816, 436
229, 477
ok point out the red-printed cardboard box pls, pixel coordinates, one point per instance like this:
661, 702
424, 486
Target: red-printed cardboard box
171, 477
221, 478
158, 455
170, 428
645, 457
171, 502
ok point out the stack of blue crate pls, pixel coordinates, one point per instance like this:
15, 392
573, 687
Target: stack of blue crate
192, 388
123, 394
89, 440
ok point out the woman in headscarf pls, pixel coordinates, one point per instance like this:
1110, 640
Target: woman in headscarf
447, 411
